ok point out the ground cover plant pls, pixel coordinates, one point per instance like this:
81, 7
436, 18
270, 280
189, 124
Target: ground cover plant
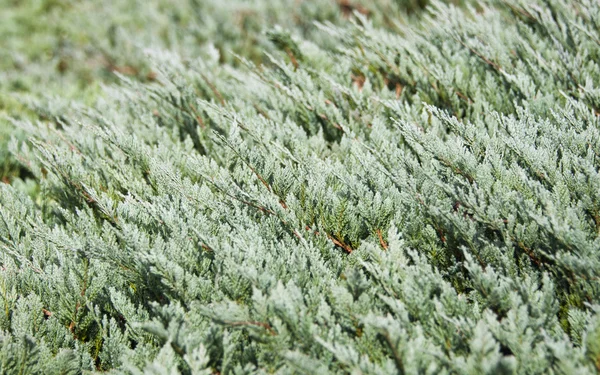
365, 188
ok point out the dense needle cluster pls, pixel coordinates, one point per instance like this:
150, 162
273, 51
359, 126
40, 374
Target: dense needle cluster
357, 193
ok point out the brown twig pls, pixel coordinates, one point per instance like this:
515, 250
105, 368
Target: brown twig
214, 89
478, 54
381, 240
266, 326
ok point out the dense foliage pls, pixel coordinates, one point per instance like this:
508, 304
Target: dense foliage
362, 189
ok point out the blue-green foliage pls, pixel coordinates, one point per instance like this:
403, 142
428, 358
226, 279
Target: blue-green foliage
370, 200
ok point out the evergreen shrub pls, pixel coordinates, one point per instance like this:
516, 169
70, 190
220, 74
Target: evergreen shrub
368, 193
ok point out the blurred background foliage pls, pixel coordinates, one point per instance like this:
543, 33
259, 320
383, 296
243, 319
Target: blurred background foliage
69, 48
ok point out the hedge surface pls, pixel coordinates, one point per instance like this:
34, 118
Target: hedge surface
257, 187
